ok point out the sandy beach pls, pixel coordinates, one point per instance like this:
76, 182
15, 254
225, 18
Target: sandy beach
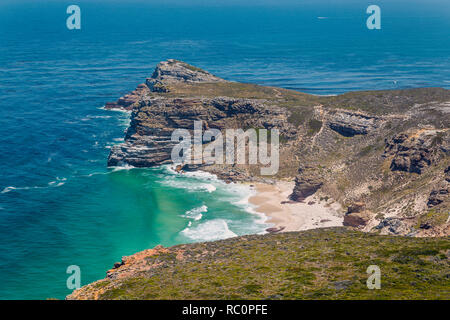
273, 201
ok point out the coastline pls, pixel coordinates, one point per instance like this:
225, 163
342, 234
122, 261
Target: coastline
270, 201
285, 215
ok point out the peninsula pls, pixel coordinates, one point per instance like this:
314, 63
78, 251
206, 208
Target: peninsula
367, 174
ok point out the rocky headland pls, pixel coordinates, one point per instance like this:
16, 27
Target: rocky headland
382, 155
379, 158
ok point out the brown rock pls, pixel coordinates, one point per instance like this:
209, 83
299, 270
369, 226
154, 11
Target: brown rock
306, 184
355, 220
356, 207
413, 151
439, 194
275, 229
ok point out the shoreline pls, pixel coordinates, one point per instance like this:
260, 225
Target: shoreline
272, 200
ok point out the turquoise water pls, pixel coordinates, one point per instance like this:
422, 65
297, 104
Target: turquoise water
61, 206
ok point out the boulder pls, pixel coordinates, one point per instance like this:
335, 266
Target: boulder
275, 229
355, 220
356, 215
305, 186
393, 225
356, 207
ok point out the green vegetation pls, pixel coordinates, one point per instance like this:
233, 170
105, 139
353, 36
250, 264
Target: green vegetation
366, 150
192, 68
438, 139
314, 126
433, 218
316, 264
385, 101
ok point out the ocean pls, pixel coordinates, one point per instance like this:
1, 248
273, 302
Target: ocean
59, 203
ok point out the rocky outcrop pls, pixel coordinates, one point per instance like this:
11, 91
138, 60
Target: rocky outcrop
356, 207
349, 124
148, 139
356, 215
306, 184
393, 225
173, 71
127, 101
415, 150
166, 73
441, 191
439, 194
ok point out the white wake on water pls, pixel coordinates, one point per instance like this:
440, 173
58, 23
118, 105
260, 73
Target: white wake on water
236, 194
216, 229
196, 213
52, 184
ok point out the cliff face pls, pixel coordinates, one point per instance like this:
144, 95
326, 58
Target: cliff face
386, 150
148, 140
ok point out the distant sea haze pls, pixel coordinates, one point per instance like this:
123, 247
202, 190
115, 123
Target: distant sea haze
59, 203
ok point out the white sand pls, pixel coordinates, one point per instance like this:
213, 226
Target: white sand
294, 216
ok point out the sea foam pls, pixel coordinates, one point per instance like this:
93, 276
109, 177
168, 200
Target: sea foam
216, 229
196, 213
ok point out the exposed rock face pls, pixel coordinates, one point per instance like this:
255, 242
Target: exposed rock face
413, 151
306, 184
166, 73
356, 215
172, 71
440, 192
393, 132
393, 225
127, 101
356, 207
349, 123
148, 139
355, 220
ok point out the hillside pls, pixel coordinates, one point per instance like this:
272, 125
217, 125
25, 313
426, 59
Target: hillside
316, 264
382, 155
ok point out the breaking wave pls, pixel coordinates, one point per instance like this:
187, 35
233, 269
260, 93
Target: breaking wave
52, 184
216, 229
196, 213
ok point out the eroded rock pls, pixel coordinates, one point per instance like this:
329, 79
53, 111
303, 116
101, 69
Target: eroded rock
349, 123
306, 184
148, 139
171, 71
415, 150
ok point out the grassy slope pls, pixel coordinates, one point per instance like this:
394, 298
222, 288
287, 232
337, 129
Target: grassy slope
298, 265
376, 102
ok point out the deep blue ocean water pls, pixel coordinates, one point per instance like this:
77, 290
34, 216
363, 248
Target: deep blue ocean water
61, 206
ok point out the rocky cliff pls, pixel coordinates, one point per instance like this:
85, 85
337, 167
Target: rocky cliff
388, 150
